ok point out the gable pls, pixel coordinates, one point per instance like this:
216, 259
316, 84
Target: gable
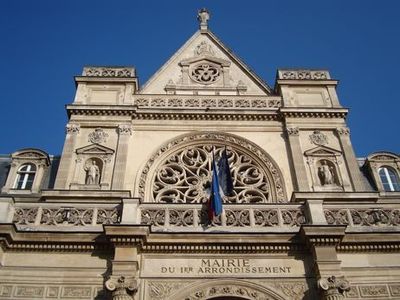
203, 65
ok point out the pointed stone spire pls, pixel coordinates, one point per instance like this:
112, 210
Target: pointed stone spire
203, 16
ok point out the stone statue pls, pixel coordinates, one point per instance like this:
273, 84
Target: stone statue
203, 16
325, 173
92, 173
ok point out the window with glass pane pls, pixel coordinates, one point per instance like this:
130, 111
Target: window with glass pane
25, 177
390, 180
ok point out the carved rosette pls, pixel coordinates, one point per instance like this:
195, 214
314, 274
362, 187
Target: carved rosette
183, 174
122, 288
333, 288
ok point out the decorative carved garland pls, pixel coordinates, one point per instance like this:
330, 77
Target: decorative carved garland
260, 162
243, 290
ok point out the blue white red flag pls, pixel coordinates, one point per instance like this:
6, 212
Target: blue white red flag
215, 201
221, 184
224, 175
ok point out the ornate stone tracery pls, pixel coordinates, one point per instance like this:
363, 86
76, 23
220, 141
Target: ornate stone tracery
182, 172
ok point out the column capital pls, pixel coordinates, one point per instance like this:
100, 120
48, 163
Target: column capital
72, 128
333, 287
343, 131
292, 131
122, 288
125, 129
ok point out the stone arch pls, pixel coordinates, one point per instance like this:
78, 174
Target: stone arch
219, 289
257, 176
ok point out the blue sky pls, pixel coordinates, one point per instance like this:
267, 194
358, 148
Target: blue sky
45, 43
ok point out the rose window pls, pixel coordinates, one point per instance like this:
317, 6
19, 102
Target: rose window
205, 73
185, 176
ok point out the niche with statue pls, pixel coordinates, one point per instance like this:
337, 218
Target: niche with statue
93, 168
327, 170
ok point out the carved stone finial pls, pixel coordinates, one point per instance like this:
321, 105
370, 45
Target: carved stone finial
122, 288
333, 287
203, 16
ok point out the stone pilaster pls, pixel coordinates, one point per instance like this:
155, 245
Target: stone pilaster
123, 282
124, 133
322, 241
350, 159
72, 131
299, 168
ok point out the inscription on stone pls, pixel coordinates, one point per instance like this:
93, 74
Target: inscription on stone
200, 267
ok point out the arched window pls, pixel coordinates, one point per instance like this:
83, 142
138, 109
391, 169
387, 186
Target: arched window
389, 179
25, 176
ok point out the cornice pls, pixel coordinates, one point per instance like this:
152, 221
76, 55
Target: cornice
314, 112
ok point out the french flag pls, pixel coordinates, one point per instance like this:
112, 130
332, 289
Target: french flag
221, 184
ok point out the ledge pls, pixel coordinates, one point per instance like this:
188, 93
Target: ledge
364, 197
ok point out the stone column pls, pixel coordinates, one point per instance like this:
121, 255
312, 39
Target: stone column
124, 133
353, 168
66, 159
299, 168
322, 241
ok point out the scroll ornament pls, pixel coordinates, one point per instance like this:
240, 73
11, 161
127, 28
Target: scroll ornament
122, 288
333, 288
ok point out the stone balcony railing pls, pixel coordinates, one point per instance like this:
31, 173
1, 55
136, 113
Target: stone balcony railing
108, 72
45, 215
193, 217
205, 102
303, 74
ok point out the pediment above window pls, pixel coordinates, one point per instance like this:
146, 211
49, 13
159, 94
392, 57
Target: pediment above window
31, 154
322, 151
95, 149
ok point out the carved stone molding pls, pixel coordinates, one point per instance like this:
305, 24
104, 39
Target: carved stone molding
108, 72
227, 288
343, 131
122, 288
98, 136
125, 129
72, 128
181, 171
292, 131
333, 288
303, 74
318, 138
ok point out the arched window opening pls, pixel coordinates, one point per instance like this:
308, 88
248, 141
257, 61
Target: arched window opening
25, 177
389, 179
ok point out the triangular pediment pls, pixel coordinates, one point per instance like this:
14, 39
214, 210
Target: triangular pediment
322, 151
204, 65
94, 149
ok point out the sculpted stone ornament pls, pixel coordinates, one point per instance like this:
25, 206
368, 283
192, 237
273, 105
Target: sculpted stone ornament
318, 138
326, 174
203, 16
72, 128
122, 288
92, 173
292, 130
333, 288
98, 136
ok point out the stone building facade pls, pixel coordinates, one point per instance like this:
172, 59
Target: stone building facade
121, 214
